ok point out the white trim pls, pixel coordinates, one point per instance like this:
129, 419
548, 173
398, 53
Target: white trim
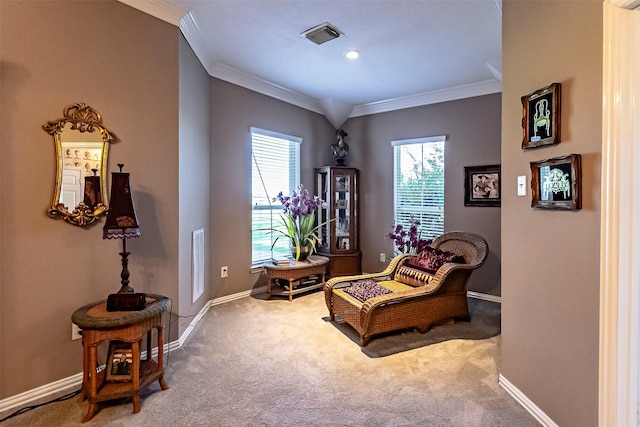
273, 134
526, 403
620, 225
167, 11
439, 138
164, 10
498, 5
31, 396
434, 97
74, 381
249, 81
485, 297
191, 32
624, 4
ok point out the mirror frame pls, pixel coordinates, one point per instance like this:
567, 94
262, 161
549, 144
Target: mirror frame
82, 118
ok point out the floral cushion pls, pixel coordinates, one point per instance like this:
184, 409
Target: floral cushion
362, 290
431, 259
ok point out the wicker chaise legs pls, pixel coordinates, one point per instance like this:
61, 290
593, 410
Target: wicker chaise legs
421, 314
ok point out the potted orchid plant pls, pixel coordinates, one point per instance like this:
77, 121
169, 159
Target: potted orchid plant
298, 220
408, 241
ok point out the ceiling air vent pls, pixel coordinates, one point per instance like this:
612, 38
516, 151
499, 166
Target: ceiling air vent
322, 33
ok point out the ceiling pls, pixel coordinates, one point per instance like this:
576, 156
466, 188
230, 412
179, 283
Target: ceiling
413, 52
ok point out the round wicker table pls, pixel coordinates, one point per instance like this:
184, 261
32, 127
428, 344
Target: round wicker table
99, 325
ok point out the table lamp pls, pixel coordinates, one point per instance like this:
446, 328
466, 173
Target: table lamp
122, 224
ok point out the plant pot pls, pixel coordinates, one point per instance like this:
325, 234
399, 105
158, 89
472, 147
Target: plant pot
305, 251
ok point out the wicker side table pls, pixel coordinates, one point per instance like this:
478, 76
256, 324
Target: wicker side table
312, 266
99, 325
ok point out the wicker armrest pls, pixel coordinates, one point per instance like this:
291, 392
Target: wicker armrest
447, 267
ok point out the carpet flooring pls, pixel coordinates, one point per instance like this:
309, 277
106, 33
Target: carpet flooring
257, 362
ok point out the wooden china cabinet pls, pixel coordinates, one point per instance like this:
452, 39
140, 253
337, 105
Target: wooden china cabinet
337, 186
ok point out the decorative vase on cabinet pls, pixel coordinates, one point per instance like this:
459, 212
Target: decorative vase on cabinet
338, 187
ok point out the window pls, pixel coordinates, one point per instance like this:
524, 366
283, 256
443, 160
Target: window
419, 183
275, 167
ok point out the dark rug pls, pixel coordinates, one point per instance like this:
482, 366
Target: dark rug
485, 323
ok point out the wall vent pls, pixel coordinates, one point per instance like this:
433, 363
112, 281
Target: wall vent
322, 33
197, 264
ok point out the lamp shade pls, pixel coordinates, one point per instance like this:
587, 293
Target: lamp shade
121, 221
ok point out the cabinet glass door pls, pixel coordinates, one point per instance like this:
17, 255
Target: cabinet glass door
322, 190
342, 214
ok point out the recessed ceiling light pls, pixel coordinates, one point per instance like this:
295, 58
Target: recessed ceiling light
352, 54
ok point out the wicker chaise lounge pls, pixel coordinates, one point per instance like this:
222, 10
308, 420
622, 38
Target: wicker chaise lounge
417, 302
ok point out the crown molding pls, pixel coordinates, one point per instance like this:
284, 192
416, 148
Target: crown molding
172, 14
161, 9
426, 98
624, 4
498, 5
191, 32
265, 87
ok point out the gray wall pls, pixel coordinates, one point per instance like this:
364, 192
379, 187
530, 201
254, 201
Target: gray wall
234, 111
195, 177
550, 265
472, 127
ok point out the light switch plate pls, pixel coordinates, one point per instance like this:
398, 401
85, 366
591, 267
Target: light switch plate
522, 185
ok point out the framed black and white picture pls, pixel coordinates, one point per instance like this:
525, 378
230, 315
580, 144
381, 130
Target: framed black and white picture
541, 117
556, 183
482, 185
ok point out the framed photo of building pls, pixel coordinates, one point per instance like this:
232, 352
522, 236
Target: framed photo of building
556, 183
482, 185
119, 362
541, 117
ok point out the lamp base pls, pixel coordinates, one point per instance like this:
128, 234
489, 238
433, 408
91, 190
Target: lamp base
126, 302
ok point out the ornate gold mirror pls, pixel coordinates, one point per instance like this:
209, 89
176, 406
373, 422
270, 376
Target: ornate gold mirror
82, 146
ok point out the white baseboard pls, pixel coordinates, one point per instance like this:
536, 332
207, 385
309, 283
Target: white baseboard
486, 297
39, 394
527, 404
66, 385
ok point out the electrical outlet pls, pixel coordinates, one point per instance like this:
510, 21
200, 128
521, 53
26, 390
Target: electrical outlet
224, 272
76, 332
383, 257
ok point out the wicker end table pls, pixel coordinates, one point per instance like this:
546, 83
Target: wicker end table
99, 325
294, 274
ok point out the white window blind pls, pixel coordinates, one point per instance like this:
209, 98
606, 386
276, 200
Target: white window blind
275, 167
419, 184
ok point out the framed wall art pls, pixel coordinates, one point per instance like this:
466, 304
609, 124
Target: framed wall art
343, 243
119, 362
482, 185
541, 117
556, 183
